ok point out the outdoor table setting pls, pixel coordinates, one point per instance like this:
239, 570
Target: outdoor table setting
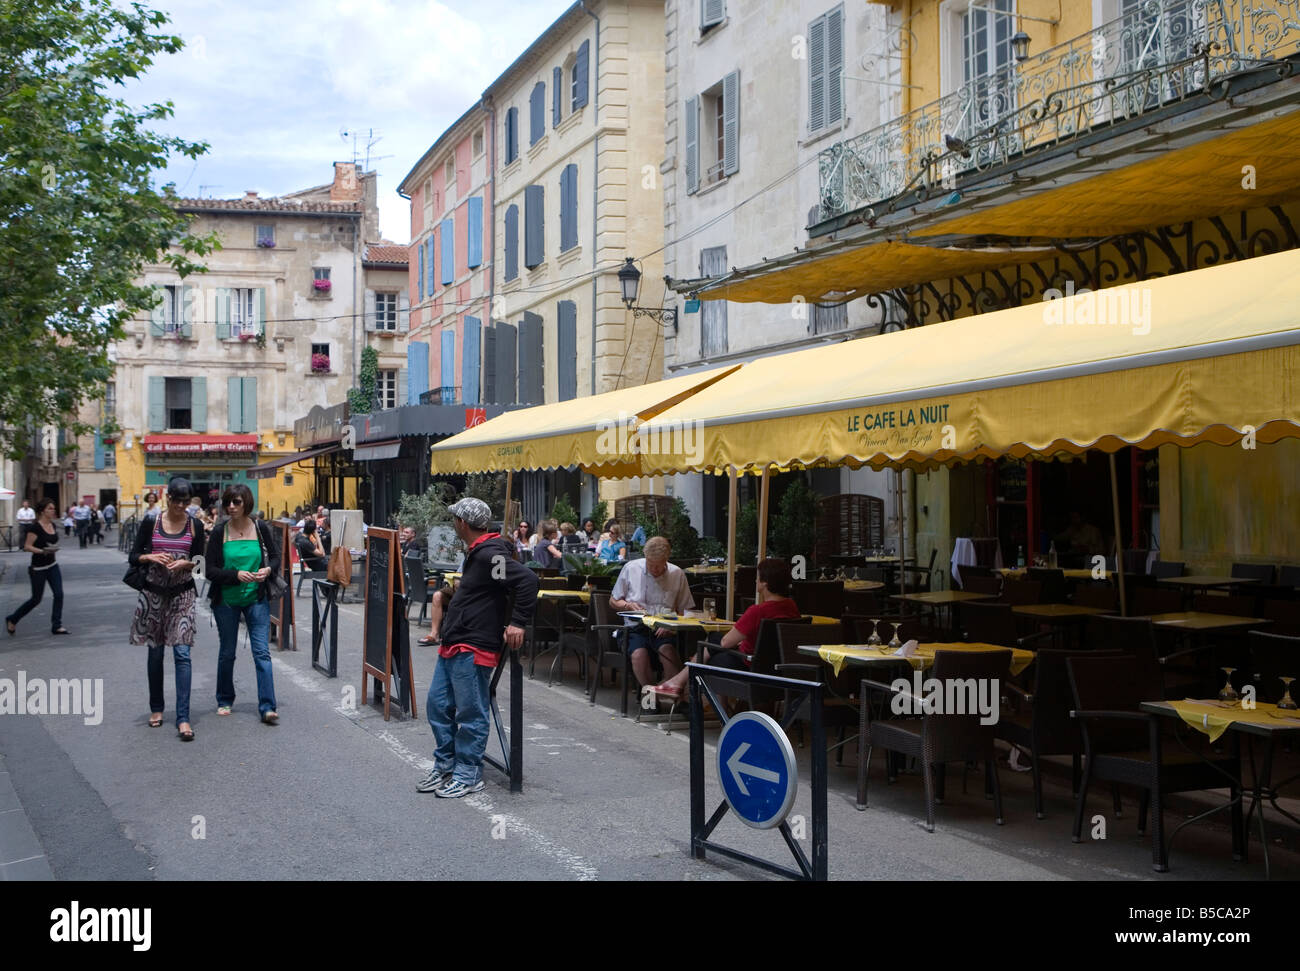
580, 595
1081, 573
940, 598
866, 655
1059, 615
1199, 620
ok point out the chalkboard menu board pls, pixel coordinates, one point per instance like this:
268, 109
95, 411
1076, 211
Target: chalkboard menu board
378, 599
386, 650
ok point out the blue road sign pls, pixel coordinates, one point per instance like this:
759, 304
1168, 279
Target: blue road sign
756, 769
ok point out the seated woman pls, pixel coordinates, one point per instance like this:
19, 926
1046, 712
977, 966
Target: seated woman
520, 538
737, 647
309, 548
547, 552
613, 549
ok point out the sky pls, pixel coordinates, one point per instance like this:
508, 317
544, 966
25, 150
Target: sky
270, 86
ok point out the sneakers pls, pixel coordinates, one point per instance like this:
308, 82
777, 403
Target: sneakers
454, 789
434, 781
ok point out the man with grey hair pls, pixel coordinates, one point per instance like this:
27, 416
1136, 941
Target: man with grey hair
652, 586
492, 606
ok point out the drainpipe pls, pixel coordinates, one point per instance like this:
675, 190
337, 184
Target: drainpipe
595, 186
490, 106
356, 250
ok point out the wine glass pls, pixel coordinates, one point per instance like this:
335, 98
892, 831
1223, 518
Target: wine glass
1286, 701
1229, 693
874, 640
896, 643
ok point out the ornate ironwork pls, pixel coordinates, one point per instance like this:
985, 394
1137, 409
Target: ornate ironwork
1161, 52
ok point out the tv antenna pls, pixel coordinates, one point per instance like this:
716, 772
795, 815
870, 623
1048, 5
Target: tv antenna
211, 186
370, 137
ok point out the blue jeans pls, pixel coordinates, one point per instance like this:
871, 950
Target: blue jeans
181, 655
39, 579
257, 617
458, 706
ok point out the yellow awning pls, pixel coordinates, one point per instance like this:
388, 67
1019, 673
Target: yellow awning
593, 433
1188, 358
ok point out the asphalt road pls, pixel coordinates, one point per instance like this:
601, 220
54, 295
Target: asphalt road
330, 793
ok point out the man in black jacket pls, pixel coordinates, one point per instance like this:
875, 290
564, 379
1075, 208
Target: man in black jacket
493, 586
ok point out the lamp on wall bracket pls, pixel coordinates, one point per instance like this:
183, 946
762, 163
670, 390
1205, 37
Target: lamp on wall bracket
629, 281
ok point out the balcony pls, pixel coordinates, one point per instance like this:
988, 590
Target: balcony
1162, 53
441, 396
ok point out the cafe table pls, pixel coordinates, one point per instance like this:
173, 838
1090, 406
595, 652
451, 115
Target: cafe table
940, 598
863, 586
695, 622
1019, 572
1266, 721
1059, 615
1200, 583
579, 595
1200, 620
860, 655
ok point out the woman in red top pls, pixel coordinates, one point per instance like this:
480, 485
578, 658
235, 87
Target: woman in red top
737, 646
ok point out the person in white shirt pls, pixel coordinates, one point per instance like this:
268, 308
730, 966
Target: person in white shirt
109, 513
652, 586
26, 514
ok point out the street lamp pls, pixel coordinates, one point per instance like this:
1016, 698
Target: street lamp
629, 281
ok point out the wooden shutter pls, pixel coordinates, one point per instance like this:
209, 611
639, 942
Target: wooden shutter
419, 276
557, 92
566, 357
817, 74
834, 65
537, 113
474, 212
99, 452
692, 144
157, 404
223, 313
505, 364
731, 123
447, 240
235, 405
569, 207
447, 369
248, 404
580, 75
370, 310
490, 363
469, 361
532, 370
158, 314
417, 366
199, 404
433, 273
187, 311
713, 313
402, 392
512, 135
512, 242
534, 238
260, 310
403, 313
711, 13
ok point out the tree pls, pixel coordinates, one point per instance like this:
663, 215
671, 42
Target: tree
79, 219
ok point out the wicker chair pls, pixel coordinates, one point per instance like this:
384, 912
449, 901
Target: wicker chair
1166, 569
823, 598
1123, 745
766, 657
1261, 572
1136, 637
990, 586
1147, 601
604, 651
838, 708
984, 623
1099, 595
1052, 582
1021, 592
936, 739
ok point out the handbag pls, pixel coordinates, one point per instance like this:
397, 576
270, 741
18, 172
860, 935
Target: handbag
275, 583
339, 568
137, 575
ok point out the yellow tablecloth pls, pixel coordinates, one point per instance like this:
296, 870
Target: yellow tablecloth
583, 595
1213, 720
681, 623
837, 655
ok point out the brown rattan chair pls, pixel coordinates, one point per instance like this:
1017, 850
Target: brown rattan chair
605, 651
1273, 657
1020, 592
1051, 581
822, 598
1096, 595
1165, 569
1146, 601
986, 623
988, 585
838, 707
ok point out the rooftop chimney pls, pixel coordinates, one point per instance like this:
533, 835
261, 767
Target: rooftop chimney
250, 195
346, 188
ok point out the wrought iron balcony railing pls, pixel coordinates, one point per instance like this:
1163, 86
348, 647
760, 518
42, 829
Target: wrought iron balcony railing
1161, 52
441, 396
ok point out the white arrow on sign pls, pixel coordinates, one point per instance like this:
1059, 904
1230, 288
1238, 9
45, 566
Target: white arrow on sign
737, 767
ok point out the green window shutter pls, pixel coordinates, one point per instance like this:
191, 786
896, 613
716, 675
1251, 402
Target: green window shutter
692, 145
157, 404
234, 405
261, 310
158, 315
223, 313
187, 311
99, 451
731, 123
249, 404
199, 404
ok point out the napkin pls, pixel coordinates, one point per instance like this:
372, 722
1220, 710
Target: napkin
907, 650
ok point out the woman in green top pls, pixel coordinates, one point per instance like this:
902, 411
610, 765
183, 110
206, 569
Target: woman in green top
241, 556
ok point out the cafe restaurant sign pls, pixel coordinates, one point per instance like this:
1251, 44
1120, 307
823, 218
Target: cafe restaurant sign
194, 445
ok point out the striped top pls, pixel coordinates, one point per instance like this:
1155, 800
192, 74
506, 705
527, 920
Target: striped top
177, 545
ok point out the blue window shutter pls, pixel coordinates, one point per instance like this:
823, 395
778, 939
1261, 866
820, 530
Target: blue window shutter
448, 375
580, 75
199, 404
432, 270
475, 209
99, 451
469, 361
447, 236
419, 277
534, 231
186, 311
505, 364
249, 404
731, 123
512, 242
537, 113
157, 404
234, 405
417, 366
532, 370
692, 144
569, 207
557, 95
512, 135
567, 350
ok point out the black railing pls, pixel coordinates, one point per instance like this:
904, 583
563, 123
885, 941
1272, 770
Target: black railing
441, 396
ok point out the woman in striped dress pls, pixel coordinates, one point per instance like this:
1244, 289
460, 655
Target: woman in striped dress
170, 543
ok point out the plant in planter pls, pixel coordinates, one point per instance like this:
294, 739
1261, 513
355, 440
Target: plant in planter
109, 431
321, 286
247, 337
320, 363
266, 243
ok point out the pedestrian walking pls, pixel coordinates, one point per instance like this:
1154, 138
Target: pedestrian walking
168, 544
68, 522
241, 557
41, 539
26, 514
81, 522
486, 614
95, 525
110, 514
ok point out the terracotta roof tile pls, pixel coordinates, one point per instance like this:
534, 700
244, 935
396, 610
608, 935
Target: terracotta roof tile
386, 253
266, 205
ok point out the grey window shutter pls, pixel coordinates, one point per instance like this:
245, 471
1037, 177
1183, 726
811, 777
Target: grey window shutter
713, 313
711, 12
731, 123
505, 366
469, 361
512, 242
248, 404
419, 273
534, 231
568, 207
223, 313
370, 310
187, 311
557, 95
532, 364
834, 65
158, 314
692, 144
567, 350
512, 135
260, 305
817, 74
235, 404
581, 75
403, 313
490, 364
537, 113
401, 386
199, 404
157, 404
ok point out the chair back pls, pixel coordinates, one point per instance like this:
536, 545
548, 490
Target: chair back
989, 586
1099, 595
417, 587
602, 583
1020, 592
825, 598
1155, 600
972, 680
1263, 572
1285, 615
989, 623
552, 583
1054, 731
746, 581
1107, 682
1272, 657
1164, 569
1133, 637
1238, 605
1052, 582
1289, 576
965, 572
863, 602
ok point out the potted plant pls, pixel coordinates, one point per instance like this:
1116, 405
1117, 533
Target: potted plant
247, 336
320, 363
321, 286
109, 431
266, 243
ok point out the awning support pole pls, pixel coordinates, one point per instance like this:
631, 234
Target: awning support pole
762, 515
505, 507
731, 546
902, 533
1119, 543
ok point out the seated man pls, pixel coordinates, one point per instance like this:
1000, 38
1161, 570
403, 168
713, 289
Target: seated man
309, 548
652, 586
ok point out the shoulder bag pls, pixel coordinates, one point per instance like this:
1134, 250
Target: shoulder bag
275, 583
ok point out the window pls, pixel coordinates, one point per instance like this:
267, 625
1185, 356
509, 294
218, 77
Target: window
478, 144
320, 279
578, 76
713, 313
568, 208
512, 243
512, 135
386, 388
170, 310
110, 399
712, 13
320, 349
243, 312
826, 70
109, 457
178, 400
537, 113
534, 233
265, 236
713, 134
385, 311
449, 176
986, 64
828, 317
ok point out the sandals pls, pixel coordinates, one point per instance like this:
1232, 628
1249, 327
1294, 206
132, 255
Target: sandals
11, 627
185, 736
663, 691
156, 719
223, 709
270, 718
